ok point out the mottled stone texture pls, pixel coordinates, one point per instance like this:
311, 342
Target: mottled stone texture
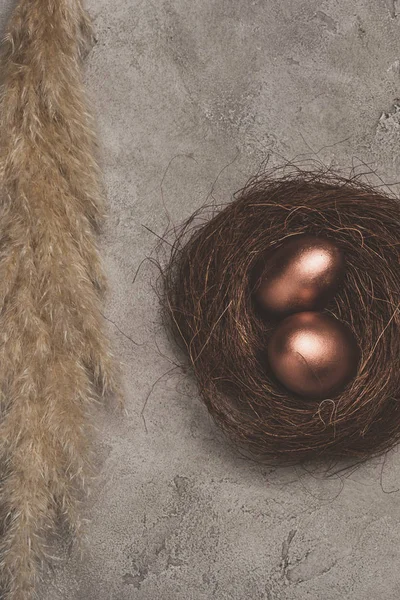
191, 97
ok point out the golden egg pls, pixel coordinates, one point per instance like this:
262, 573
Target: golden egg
313, 354
302, 275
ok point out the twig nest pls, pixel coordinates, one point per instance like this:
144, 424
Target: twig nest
210, 303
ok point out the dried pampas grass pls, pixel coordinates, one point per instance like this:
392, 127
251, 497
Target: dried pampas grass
210, 309
55, 362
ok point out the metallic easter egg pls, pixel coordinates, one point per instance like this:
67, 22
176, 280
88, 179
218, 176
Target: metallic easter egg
313, 354
303, 274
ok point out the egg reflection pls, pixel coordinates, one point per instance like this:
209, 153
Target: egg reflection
313, 354
302, 275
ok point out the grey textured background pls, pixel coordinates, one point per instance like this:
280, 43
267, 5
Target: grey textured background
192, 96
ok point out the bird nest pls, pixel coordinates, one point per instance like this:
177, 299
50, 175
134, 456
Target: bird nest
210, 308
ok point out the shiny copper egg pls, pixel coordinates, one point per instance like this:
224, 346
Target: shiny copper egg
313, 354
303, 274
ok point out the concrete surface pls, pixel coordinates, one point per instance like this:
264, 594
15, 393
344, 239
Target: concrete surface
192, 96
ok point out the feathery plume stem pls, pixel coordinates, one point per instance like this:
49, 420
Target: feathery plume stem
55, 362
